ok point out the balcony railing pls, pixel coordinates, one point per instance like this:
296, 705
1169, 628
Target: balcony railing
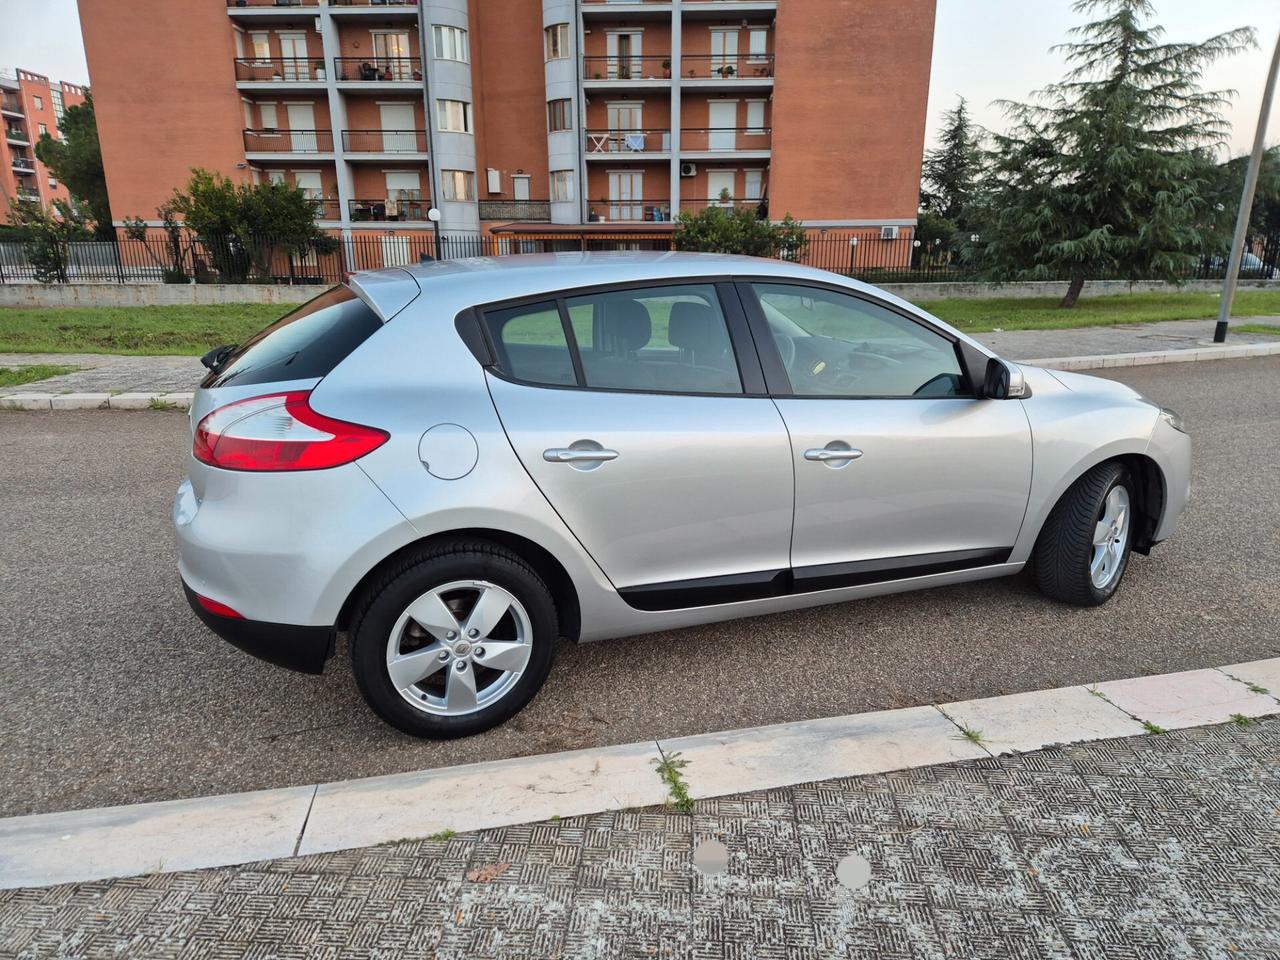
327, 208
630, 211
23, 164
515, 209
728, 139
273, 3
295, 69
16, 134
627, 68
288, 141
743, 203
378, 69
653, 140
407, 205
10, 103
384, 141
29, 195
374, 3
721, 67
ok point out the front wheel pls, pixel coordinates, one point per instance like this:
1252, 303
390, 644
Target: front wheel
1084, 548
454, 640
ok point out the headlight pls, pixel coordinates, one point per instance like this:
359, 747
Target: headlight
1172, 419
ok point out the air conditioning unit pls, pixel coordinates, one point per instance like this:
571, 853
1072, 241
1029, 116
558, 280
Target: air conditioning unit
888, 233
688, 169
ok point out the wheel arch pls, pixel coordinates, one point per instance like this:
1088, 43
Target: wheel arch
557, 578
1150, 490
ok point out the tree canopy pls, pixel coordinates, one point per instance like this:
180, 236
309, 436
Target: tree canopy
76, 161
729, 229
952, 170
1109, 173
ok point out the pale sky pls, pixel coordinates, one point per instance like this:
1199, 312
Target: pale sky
984, 50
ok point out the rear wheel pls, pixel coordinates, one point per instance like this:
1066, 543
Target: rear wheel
1084, 548
454, 640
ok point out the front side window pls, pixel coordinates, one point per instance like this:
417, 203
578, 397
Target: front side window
531, 343
559, 115
451, 43
561, 186
670, 339
838, 345
557, 41
458, 184
454, 115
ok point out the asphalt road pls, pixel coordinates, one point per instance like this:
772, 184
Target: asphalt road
111, 691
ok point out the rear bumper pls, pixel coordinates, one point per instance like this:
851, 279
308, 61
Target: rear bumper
298, 648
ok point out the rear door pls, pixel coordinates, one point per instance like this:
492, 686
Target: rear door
640, 413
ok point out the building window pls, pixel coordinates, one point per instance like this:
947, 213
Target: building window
261, 43
559, 115
758, 43
557, 41
561, 186
59, 107
753, 181
755, 116
458, 184
269, 119
44, 129
39, 102
453, 116
451, 43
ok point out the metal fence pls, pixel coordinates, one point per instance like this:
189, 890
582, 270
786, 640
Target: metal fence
184, 258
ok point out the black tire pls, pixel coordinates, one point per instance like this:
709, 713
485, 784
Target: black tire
1065, 547
417, 573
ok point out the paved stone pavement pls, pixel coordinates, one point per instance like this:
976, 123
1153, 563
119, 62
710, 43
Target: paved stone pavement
1147, 847
107, 373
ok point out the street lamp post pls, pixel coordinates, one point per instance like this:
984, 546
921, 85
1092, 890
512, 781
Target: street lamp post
1246, 203
434, 216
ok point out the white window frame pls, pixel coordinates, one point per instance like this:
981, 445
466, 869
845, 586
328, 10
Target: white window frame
263, 110
754, 55
561, 30
37, 101
755, 129
449, 180
450, 111
562, 186
450, 43
259, 56
319, 194
756, 174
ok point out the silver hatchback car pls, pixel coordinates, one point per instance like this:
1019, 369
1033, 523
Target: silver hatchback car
460, 463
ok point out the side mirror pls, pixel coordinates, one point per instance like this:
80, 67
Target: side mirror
995, 385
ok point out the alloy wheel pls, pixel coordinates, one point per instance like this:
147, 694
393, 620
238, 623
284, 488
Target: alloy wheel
1110, 537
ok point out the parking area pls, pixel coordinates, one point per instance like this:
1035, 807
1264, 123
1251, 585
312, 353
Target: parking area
111, 691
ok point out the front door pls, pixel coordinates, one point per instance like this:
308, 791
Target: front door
398, 121
654, 457
723, 123
897, 466
626, 190
293, 51
302, 127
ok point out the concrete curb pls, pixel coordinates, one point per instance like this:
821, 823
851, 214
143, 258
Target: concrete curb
96, 401
84, 845
1102, 361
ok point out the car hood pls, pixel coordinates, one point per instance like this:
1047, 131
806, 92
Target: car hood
1082, 383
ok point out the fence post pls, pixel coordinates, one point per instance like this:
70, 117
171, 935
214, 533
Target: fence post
119, 257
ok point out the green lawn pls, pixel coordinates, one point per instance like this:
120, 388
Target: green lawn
138, 330
1270, 329
193, 330
17, 376
1042, 313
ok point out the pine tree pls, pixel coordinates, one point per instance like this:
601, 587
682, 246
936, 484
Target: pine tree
1109, 173
952, 169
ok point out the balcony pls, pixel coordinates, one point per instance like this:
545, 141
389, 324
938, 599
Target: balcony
22, 164
407, 207
240, 4
381, 9
609, 144
398, 142
16, 135
293, 71
739, 71
288, 141
9, 103
31, 196
327, 208
748, 141
535, 210
629, 211
378, 70
695, 204
636, 71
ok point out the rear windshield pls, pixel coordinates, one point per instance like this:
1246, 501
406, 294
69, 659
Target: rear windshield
302, 345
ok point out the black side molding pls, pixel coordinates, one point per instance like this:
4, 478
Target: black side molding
304, 649
710, 591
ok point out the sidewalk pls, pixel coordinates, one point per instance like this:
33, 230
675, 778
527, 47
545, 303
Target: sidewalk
1148, 846
108, 374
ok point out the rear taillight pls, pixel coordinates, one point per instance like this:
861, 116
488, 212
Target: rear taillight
218, 609
280, 431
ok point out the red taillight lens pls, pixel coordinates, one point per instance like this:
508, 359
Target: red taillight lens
219, 609
280, 431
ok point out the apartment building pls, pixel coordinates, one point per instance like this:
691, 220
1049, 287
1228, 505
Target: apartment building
520, 116
31, 105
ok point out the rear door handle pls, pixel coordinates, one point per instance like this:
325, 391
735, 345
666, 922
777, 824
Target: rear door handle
570, 455
826, 454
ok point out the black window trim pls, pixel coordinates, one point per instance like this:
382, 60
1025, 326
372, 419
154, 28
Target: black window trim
776, 377
742, 340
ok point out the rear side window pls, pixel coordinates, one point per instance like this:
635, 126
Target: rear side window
302, 345
531, 343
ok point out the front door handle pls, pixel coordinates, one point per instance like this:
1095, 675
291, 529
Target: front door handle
828, 454
572, 455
